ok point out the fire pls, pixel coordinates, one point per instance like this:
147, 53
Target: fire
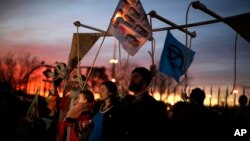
117, 15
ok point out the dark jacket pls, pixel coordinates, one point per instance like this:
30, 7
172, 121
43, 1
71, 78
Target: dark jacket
146, 119
111, 119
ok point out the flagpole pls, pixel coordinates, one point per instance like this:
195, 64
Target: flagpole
169, 28
202, 7
155, 15
187, 25
77, 23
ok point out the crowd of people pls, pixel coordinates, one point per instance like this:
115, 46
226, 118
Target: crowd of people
132, 117
128, 118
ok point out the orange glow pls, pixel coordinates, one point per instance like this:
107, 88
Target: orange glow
211, 99
97, 96
118, 14
156, 95
172, 98
113, 80
235, 91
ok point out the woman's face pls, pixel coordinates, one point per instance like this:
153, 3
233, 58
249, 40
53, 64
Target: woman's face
104, 92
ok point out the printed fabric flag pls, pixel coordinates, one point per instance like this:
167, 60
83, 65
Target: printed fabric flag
129, 24
175, 58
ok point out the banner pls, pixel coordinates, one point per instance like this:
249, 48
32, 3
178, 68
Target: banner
86, 41
175, 58
129, 24
241, 24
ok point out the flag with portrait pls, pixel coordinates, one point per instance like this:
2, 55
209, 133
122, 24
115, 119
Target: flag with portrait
129, 24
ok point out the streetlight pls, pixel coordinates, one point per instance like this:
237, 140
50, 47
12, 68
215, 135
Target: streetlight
113, 61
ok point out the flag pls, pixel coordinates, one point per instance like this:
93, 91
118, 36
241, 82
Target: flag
86, 41
175, 57
129, 24
240, 23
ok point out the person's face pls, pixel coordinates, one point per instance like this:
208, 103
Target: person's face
81, 98
136, 83
74, 93
104, 93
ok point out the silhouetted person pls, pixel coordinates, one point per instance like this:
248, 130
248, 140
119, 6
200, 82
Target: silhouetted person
199, 123
242, 111
146, 118
178, 119
8, 114
242, 116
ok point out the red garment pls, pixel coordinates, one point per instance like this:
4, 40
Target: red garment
64, 102
85, 116
62, 128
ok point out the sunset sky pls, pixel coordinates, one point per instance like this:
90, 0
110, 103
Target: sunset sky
44, 28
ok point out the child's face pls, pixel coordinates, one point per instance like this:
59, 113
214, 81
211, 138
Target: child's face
81, 98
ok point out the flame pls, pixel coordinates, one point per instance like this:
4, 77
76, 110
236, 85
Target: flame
117, 15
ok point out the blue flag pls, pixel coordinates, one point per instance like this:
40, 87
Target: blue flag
175, 57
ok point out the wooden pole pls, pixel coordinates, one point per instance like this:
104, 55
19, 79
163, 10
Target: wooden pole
187, 25
169, 28
202, 7
78, 23
155, 15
